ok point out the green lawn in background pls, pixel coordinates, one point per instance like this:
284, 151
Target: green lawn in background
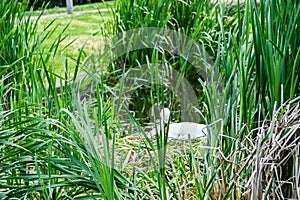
76, 8
82, 27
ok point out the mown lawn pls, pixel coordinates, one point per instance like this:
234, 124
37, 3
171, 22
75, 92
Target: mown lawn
82, 28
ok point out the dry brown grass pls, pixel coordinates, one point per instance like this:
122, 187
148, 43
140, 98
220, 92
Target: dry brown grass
276, 158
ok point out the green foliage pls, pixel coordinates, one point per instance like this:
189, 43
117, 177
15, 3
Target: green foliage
256, 50
261, 72
41, 153
192, 18
196, 19
276, 47
54, 144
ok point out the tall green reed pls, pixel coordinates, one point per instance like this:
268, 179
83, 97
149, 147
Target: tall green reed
35, 144
256, 50
259, 58
193, 19
276, 50
277, 57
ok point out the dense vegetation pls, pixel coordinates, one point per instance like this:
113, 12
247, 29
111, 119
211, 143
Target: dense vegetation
70, 142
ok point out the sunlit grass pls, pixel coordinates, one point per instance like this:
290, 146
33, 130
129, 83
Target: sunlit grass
83, 29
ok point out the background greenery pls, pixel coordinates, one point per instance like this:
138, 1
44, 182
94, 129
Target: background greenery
38, 4
56, 144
